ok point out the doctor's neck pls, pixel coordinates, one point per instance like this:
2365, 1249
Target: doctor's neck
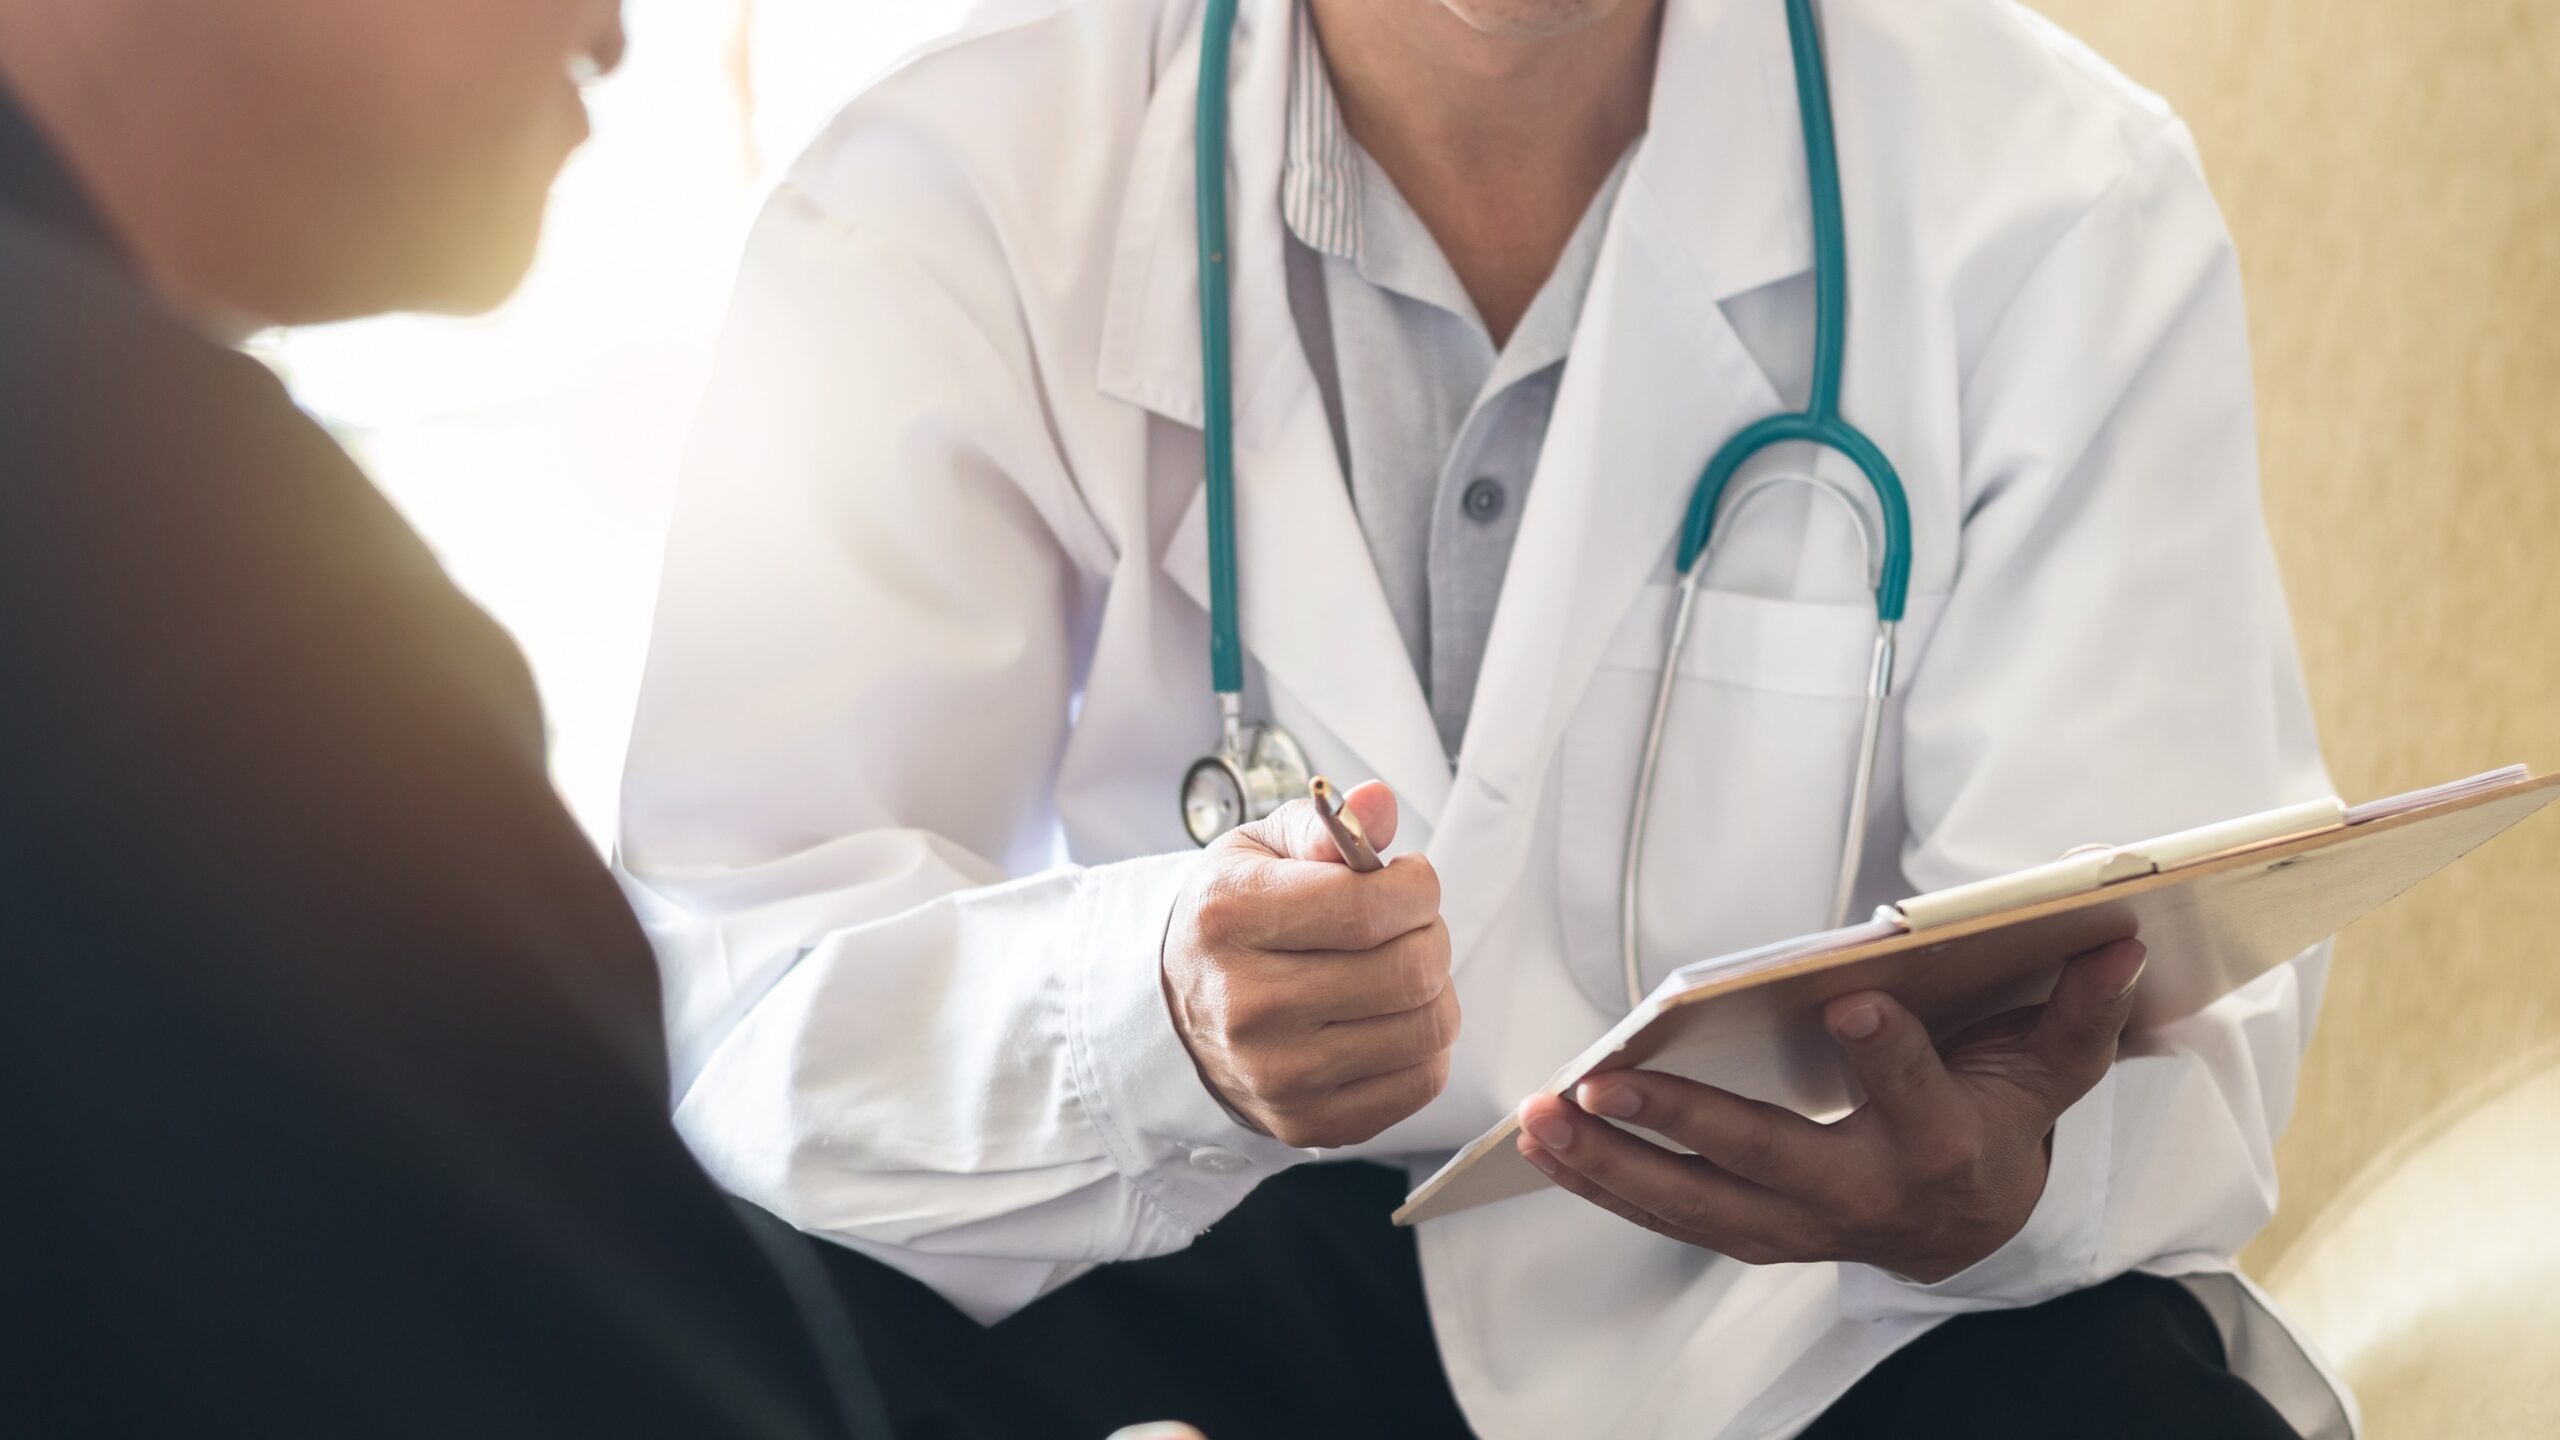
1498, 120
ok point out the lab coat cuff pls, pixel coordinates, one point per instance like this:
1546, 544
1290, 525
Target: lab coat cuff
1160, 1123
2055, 1253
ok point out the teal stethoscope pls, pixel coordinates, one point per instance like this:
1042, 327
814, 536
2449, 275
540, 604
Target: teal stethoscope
1258, 766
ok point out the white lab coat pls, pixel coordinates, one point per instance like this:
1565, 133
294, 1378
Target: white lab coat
932, 656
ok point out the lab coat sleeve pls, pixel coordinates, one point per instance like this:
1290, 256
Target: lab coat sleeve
2115, 660
895, 1021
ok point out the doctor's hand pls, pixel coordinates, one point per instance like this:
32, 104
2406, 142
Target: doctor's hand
1315, 1001
1941, 1166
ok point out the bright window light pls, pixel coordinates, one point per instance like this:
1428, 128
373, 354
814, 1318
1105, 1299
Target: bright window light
537, 448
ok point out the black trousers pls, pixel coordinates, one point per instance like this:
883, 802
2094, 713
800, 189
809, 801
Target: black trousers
1301, 1315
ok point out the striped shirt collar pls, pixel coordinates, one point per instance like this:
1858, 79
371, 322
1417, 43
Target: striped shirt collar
1320, 170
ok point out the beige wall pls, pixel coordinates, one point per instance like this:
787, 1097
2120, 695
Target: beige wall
2391, 169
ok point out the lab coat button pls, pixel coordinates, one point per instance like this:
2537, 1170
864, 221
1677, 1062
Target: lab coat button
1217, 1160
1483, 501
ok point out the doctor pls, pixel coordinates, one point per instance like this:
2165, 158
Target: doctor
949, 987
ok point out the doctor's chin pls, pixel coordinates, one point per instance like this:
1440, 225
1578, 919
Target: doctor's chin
1264, 719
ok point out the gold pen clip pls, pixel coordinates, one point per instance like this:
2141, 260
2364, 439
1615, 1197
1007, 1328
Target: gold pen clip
1344, 827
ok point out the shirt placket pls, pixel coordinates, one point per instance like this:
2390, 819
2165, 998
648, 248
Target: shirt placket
1482, 492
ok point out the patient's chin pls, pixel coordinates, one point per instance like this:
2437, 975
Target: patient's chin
471, 270
483, 285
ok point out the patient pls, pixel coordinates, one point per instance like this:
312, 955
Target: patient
335, 1090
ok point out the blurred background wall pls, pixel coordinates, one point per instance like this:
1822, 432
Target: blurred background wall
2391, 169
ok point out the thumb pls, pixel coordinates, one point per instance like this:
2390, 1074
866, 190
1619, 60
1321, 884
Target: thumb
2075, 1034
1893, 1056
1374, 806
1296, 832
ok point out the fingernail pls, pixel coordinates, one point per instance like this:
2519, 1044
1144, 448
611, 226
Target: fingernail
1549, 1129
2133, 979
1545, 1162
1620, 1101
1160, 1430
1860, 1020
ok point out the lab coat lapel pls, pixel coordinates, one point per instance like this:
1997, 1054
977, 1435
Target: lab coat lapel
1314, 614
1715, 205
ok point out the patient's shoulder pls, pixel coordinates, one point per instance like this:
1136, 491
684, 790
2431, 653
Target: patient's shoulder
127, 429
109, 397
176, 535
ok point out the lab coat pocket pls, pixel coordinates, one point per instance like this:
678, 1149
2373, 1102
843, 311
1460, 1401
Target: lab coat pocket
1758, 755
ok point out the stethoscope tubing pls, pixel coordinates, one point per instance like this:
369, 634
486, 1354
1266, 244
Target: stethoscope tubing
1892, 576
1217, 381
1819, 424
1648, 765
1853, 841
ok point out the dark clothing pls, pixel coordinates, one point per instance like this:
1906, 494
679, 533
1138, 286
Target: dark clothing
1302, 1314
2134, 1359
1299, 1315
335, 1099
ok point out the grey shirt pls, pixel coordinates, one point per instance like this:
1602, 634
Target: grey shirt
1438, 432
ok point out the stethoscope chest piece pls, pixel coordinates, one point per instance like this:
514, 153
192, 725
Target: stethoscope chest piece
1258, 769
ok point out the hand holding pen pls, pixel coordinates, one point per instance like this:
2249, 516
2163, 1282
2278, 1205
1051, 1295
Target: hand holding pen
1309, 979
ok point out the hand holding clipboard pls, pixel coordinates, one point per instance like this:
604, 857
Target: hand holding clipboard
2216, 907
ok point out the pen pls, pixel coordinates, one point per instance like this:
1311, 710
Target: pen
1344, 827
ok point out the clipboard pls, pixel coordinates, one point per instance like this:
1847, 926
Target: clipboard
2218, 907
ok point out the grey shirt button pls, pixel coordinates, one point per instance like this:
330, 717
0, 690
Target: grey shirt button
1484, 500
